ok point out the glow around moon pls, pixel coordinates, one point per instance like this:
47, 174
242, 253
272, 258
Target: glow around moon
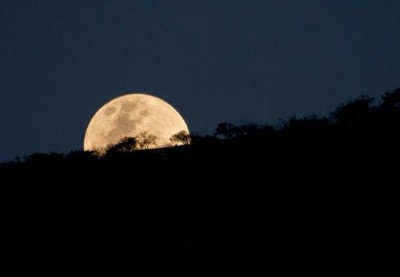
130, 115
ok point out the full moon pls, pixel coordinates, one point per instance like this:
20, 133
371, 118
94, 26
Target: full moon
131, 115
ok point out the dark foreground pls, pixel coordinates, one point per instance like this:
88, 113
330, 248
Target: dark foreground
317, 194
179, 208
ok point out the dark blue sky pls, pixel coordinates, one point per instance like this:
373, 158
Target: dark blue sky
218, 60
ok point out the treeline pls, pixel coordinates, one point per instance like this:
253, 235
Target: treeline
286, 194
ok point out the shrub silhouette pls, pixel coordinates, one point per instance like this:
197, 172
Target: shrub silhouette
180, 138
125, 145
226, 130
145, 140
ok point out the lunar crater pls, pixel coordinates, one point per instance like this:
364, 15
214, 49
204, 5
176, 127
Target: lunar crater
109, 111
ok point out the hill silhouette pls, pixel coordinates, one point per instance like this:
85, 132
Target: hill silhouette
246, 197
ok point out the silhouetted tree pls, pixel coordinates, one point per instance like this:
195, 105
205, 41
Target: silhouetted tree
125, 145
145, 140
226, 130
391, 100
386, 120
180, 138
354, 111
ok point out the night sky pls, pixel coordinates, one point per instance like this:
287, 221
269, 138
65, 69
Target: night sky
218, 60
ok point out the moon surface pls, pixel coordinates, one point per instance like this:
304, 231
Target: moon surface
130, 115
